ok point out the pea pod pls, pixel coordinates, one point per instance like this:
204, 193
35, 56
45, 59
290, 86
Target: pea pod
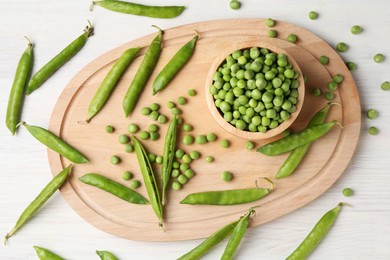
55, 143
110, 81
169, 155
143, 74
174, 65
45, 254
59, 60
105, 255
114, 188
316, 234
15, 101
299, 153
138, 9
295, 140
238, 234
149, 179
227, 197
40, 200
210, 242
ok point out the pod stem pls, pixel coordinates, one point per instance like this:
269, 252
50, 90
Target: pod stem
89, 29
155, 26
338, 123
269, 181
196, 34
334, 103
30, 43
92, 5
20, 123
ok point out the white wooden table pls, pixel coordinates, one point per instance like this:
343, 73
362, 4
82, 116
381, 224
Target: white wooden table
361, 232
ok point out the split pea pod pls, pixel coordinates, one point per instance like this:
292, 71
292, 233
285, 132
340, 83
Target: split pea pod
316, 234
138, 9
228, 197
143, 74
105, 255
237, 235
110, 81
295, 140
15, 101
210, 242
59, 60
40, 200
55, 143
149, 179
45, 254
169, 155
174, 65
114, 188
299, 153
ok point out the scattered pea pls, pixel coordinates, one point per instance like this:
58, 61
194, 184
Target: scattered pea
201, 139
171, 104
184, 167
154, 136
115, 159
338, 78
292, 38
332, 86
188, 139
373, 130
225, 143
187, 127
272, 33
385, 85
127, 175
342, 47
372, 113
182, 179
235, 5
176, 111
110, 129
191, 92
195, 155
211, 137
175, 173
226, 176
162, 119
182, 100
154, 107
356, 29
134, 184
209, 159
189, 173
176, 165
186, 158
123, 139
133, 128
269, 22
324, 60
378, 58
316, 92
144, 135
179, 153
159, 159
129, 148
250, 145
146, 111
329, 95
153, 128
176, 185
152, 157
347, 192
313, 15
351, 65
154, 115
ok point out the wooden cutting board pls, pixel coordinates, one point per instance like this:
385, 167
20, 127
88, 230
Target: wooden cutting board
325, 162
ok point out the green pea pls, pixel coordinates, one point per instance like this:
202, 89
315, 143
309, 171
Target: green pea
187, 127
154, 107
313, 15
351, 65
324, 60
129, 148
176, 185
175, 173
372, 113
338, 78
250, 145
133, 128
134, 184
124, 139
154, 115
342, 47
153, 128
240, 124
194, 155
182, 100
176, 111
179, 153
154, 136
152, 157
284, 115
176, 165
115, 159
171, 104
159, 159
292, 38
273, 124
191, 92
269, 22
378, 58
373, 130
225, 143
189, 173
347, 192
329, 95
385, 85
272, 33
226, 176
184, 166
211, 137
356, 29
186, 158
332, 86
127, 175
110, 129
162, 119
234, 4
144, 135
201, 139
182, 179
209, 159
146, 111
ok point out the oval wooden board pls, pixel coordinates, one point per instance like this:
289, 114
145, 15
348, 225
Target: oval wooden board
323, 165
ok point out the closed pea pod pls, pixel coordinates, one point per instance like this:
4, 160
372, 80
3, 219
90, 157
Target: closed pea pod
169, 155
316, 234
40, 200
114, 188
237, 235
59, 60
15, 100
149, 179
228, 197
138, 9
295, 140
210, 242
105, 255
45, 254
143, 74
55, 143
174, 65
299, 153
110, 81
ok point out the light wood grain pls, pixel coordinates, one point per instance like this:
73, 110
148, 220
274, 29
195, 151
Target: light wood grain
324, 163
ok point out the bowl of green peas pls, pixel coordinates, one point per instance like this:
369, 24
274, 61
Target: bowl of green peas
255, 90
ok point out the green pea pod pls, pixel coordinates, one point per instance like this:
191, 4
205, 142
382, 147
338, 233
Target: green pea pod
295, 140
227, 197
149, 179
238, 234
210, 242
45, 254
59, 60
174, 65
40, 200
138, 9
15, 101
55, 143
169, 155
316, 234
296, 155
105, 255
114, 188
143, 74
110, 81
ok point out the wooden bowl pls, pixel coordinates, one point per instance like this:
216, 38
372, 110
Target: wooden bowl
217, 114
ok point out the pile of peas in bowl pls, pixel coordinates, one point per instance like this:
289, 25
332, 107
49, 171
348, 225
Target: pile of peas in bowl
255, 89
